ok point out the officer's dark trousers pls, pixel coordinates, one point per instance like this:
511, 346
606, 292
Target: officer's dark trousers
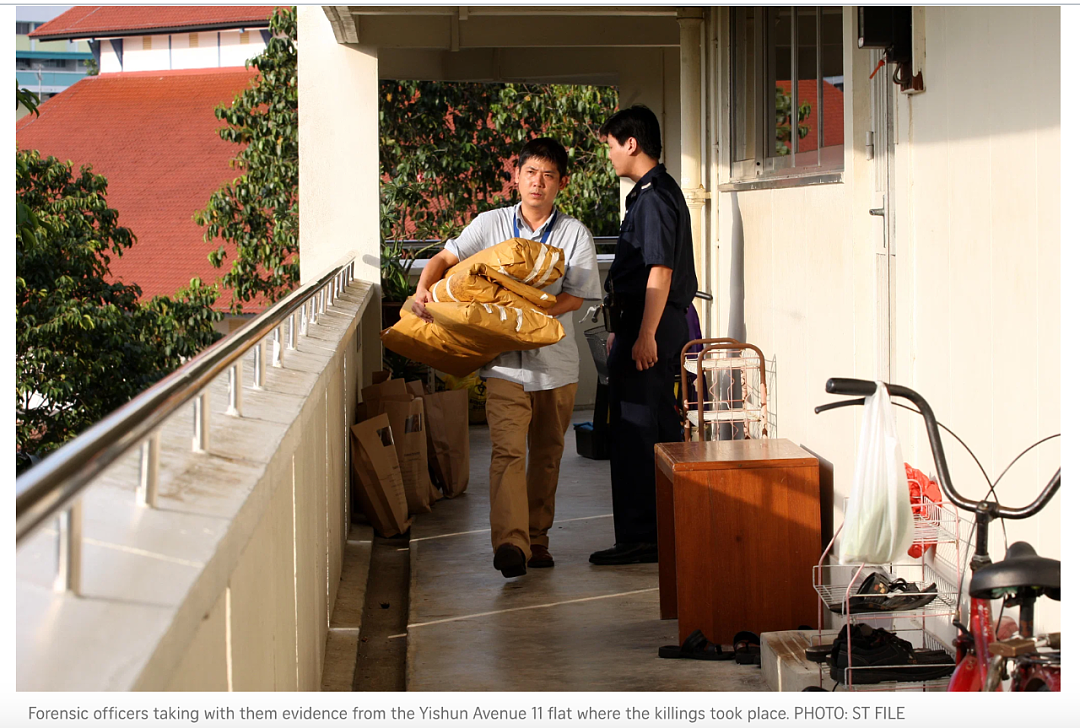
643, 413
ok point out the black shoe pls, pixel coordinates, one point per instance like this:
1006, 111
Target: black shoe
510, 560
626, 553
878, 655
880, 590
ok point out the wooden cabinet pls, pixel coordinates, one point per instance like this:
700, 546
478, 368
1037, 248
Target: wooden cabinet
739, 531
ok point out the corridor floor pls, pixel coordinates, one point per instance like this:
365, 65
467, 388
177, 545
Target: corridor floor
576, 627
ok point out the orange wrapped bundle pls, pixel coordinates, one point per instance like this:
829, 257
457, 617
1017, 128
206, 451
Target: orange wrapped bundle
485, 305
528, 261
479, 282
465, 336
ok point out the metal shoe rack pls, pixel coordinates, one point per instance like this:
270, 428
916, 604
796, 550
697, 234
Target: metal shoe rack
939, 530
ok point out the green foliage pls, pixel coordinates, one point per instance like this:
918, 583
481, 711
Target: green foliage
783, 121
256, 217
84, 346
443, 149
27, 98
92, 67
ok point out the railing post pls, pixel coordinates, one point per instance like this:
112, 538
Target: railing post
149, 470
291, 340
304, 318
200, 442
69, 550
260, 364
235, 390
276, 356
329, 293
314, 300
322, 300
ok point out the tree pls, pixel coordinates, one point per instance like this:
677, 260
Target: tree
256, 216
27, 98
444, 150
783, 121
84, 345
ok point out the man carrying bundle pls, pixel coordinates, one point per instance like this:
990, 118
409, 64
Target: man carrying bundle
530, 394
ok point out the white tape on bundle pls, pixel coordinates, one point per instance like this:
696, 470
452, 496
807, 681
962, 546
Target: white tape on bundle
520, 316
502, 312
551, 267
486, 307
449, 291
435, 292
537, 266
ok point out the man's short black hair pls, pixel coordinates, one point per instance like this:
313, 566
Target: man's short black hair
545, 148
639, 122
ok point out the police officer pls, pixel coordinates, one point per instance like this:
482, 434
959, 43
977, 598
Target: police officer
651, 283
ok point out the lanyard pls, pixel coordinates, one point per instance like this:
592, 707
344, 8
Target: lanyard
547, 228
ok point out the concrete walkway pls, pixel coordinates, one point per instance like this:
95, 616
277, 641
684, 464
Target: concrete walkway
574, 627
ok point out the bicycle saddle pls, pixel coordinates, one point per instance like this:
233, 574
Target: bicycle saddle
1020, 568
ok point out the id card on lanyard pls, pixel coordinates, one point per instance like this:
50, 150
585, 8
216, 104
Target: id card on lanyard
547, 228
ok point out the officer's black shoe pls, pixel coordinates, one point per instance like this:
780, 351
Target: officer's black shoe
625, 553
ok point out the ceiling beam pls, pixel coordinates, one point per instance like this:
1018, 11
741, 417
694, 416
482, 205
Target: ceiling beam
516, 31
346, 26
467, 11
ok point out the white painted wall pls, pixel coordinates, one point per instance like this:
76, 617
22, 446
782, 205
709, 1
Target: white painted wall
977, 262
339, 159
138, 58
979, 295
215, 49
110, 62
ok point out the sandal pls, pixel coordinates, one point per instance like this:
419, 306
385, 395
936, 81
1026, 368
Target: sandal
696, 647
747, 648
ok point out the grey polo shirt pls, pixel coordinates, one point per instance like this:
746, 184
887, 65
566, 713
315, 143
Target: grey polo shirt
551, 366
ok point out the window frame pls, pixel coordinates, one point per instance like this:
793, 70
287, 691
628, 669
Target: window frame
821, 165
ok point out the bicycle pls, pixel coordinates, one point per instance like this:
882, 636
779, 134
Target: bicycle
984, 656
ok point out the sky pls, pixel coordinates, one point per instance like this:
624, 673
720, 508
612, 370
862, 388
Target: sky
39, 13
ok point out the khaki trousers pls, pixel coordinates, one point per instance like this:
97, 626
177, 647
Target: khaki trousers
523, 498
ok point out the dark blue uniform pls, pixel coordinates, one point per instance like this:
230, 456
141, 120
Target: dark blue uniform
655, 231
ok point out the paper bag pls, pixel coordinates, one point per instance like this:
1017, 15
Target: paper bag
415, 388
448, 439
407, 422
373, 395
380, 490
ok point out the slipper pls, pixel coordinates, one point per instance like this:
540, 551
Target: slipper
747, 648
696, 647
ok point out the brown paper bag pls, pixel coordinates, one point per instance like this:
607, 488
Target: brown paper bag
380, 491
417, 389
407, 421
372, 395
448, 439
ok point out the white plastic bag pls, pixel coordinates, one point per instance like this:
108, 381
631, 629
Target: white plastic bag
878, 524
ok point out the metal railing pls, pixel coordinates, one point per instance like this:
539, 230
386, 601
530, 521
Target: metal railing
52, 487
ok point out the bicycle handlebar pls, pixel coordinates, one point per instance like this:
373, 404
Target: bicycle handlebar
864, 388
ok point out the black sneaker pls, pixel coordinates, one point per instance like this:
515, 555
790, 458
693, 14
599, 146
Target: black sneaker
881, 656
510, 560
626, 553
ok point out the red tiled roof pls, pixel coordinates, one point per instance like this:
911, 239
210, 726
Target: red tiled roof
91, 21
153, 135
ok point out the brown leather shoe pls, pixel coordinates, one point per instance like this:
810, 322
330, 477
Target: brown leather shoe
541, 557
